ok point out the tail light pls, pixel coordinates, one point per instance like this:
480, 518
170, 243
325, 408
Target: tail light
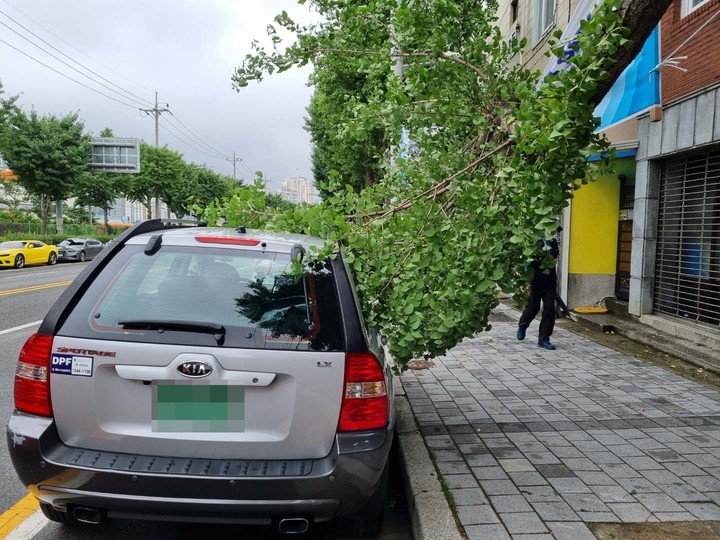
365, 401
32, 376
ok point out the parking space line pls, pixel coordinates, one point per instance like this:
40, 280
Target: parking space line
15, 516
30, 527
21, 327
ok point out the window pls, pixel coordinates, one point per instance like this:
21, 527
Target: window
513, 11
256, 297
689, 5
544, 17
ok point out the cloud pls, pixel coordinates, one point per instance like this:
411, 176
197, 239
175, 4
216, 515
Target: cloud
184, 49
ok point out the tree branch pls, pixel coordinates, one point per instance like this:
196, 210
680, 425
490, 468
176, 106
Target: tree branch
416, 54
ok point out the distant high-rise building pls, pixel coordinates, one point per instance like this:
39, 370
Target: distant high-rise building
299, 190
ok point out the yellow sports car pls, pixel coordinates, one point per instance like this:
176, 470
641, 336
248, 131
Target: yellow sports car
18, 253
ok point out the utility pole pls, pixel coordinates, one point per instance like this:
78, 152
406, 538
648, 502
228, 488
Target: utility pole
156, 112
234, 160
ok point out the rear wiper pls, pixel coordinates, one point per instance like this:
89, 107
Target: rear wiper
218, 330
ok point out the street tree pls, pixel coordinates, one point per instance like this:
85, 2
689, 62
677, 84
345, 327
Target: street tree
161, 174
198, 186
480, 161
343, 154
48, 154
11, 194
8, 107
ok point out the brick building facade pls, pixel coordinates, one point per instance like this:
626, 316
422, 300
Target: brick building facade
702, 50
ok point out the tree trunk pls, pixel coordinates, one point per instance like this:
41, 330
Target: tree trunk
105, 216
148, 206
641, 16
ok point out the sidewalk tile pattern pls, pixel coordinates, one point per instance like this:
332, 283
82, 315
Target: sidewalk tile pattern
534, 443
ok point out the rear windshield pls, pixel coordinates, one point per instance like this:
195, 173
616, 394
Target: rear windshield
256, 297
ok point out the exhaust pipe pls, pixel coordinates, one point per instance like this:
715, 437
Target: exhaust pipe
293, 525
87, 515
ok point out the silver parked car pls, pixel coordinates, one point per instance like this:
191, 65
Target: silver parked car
205, 374
79, 249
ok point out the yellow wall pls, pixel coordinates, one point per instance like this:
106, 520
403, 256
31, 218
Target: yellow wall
594, 222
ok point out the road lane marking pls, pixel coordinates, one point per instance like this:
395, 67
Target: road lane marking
17, 514
35, 288
21, 327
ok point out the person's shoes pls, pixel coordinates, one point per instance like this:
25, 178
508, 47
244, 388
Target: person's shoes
521, 333
545, 344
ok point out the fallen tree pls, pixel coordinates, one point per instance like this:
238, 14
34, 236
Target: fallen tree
480, 164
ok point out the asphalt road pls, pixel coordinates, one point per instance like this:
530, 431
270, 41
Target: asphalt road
25, 297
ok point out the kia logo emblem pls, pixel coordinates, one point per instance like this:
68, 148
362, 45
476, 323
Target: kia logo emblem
195, 370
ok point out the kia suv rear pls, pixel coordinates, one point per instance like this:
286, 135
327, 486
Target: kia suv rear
206, 374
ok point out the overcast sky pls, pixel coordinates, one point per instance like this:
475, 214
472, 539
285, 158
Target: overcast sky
187, 51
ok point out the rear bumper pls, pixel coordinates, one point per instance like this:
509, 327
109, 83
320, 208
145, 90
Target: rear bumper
221, 491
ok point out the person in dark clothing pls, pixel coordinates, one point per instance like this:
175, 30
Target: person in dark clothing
542, 289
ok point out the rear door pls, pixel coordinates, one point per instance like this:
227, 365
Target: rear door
268, 386
95, 247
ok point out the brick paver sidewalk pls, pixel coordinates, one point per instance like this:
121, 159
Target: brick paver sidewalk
532, 443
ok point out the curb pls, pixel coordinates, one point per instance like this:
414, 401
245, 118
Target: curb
430, 513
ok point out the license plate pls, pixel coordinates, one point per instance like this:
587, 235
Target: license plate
198, 408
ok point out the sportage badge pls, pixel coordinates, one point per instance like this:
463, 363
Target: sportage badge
195, 370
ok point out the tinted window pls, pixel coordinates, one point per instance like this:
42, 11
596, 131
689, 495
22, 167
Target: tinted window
255, 296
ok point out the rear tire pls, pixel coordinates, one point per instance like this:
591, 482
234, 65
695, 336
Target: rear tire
52, 259
368, 522
19, 261
82, 256
57, 516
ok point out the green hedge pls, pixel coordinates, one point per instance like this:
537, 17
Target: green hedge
50, 238
71, 229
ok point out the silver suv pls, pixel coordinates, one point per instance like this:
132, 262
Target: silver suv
205, 374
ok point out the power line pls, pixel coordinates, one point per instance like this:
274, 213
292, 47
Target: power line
195, 141
195, 137
68, 65
75, 48
187, 142
188, 126
67, 76
70, 58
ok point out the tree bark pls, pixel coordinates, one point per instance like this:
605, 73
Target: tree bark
641, 16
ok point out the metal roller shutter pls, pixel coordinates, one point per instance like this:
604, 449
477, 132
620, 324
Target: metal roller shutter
687, 273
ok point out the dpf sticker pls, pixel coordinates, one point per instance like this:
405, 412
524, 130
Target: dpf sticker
70, 364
